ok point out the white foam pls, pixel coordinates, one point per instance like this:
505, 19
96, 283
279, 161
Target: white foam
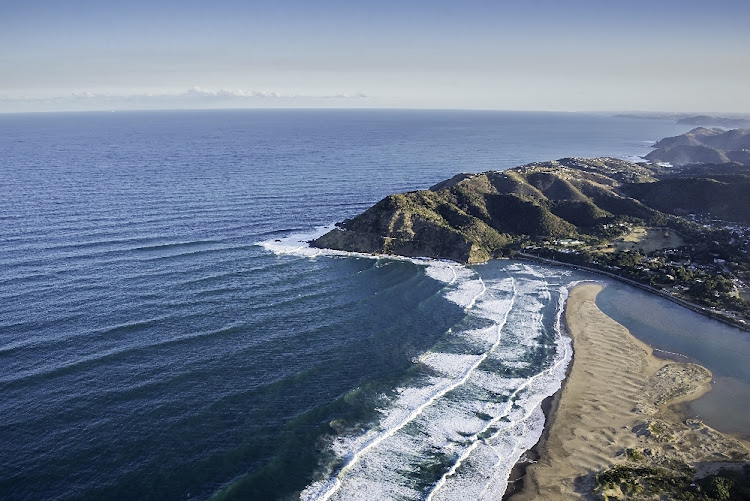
633, 158
467, 292
478, 419
459, 368
443, 271
496, 384
534, 272
525, 415
452, 365
480, 338
483, 473
295, 243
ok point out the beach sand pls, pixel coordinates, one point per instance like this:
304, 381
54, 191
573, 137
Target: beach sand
618, 396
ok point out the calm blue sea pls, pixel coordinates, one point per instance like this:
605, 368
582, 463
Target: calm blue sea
165, 335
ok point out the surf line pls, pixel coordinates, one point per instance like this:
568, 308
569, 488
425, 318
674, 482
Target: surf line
452, 471
515, 448
455, 275
354, 458
564, 291
289, 251
484, 289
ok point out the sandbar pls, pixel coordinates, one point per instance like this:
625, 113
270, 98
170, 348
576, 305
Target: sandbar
618, 397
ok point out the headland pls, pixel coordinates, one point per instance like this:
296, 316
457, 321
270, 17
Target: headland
616, 429
684, 232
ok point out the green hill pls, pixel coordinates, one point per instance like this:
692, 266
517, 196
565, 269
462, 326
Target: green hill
722, 196
618, 217
473, 217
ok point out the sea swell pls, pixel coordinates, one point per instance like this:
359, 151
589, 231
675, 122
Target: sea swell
136, 309
471, 406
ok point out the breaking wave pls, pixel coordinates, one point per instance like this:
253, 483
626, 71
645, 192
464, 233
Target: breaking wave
472, 405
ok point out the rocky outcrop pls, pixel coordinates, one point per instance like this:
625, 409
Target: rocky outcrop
417, 224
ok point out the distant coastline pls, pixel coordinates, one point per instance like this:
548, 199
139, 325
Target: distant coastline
702, 119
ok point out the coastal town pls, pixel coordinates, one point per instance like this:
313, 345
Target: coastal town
707, 264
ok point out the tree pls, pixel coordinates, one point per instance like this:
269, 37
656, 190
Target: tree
720, 487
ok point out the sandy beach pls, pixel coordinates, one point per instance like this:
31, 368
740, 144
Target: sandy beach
619, 405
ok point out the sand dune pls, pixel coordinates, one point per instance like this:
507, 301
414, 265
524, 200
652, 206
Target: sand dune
618, 396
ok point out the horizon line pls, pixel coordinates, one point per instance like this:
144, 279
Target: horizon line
645, 113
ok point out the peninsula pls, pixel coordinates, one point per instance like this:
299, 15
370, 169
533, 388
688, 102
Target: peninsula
681, 232
702, 145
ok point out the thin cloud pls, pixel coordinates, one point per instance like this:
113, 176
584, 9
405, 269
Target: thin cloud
230, 94
195, 96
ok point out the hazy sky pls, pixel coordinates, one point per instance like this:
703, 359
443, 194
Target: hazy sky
659, 55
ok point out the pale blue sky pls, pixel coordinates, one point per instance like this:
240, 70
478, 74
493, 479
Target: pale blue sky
534, 55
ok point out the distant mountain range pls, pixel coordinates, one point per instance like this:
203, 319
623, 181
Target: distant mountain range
702, 145
714, 121
729, 122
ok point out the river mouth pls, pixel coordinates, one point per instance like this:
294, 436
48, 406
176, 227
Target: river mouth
686, 336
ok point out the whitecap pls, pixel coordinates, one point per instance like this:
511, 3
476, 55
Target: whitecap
470, 420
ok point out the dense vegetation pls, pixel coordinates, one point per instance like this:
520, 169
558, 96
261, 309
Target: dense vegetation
671, 481
472, 218
725, 197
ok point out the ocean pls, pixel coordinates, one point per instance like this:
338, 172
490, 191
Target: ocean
165, 333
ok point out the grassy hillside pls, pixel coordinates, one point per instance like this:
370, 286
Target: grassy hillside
615, 216
473, 217
724, 197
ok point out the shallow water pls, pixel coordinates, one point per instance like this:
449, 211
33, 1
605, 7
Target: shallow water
723, 349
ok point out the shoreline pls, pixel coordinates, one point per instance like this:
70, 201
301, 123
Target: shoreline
615, 394
518, 472
703, 310
517, 477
